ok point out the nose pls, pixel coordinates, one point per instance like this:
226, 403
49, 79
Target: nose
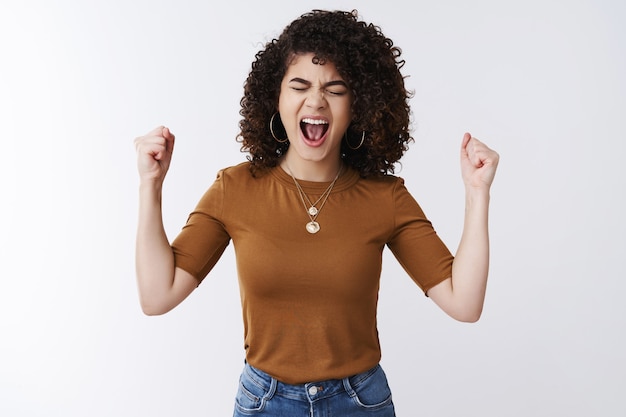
316, 99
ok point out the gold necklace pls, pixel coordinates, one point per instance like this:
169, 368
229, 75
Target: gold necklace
311, 209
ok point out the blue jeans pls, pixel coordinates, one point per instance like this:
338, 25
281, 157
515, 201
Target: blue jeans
362, 395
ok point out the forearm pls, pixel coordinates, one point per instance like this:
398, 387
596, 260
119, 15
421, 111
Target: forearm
154, 257
471, 264
462, 295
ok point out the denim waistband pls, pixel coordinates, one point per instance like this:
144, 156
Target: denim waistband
308, 391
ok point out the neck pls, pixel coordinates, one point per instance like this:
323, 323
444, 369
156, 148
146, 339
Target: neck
312, 171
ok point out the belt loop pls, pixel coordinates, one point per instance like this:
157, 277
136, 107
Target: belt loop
272, 390
348, 387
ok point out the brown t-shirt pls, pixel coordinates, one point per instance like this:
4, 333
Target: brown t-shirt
309, 300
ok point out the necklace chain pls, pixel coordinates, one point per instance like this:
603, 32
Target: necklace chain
311, 209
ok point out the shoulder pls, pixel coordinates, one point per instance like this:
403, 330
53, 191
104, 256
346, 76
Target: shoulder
228, 182
239, 179
391, 189
379, 192
239, 171
235, 174
382, 182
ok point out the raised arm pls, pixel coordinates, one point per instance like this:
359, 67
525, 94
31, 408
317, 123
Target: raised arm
462, 296
162, 286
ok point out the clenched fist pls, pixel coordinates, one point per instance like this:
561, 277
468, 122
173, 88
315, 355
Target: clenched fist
154, 154
478, 163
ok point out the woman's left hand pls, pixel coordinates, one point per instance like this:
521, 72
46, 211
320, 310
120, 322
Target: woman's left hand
478, 163
463, 294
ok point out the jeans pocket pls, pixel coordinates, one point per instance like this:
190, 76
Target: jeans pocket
370, 390
252, 394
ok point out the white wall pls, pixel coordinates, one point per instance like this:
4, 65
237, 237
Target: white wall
541, 82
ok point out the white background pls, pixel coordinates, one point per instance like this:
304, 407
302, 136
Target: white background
542, 82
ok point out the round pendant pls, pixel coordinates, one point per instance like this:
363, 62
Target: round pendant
312, 210
312, 227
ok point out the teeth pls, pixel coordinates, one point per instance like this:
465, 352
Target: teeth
314, 121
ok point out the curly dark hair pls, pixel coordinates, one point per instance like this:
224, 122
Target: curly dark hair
368, 62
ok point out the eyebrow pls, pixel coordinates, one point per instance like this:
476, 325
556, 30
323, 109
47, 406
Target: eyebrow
328, 84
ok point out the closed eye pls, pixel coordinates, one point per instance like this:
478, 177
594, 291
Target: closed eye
337, 93
335, 88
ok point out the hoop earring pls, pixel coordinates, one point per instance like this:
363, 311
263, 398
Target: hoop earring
272, 130
360, 143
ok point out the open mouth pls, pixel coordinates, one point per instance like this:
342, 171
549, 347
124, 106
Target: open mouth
313, 129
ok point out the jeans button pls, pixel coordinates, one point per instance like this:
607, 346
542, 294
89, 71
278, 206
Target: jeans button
312, 390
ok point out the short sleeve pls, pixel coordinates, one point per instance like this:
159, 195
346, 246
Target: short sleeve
415, 243
203, 239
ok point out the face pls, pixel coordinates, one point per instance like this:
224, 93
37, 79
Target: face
314, 106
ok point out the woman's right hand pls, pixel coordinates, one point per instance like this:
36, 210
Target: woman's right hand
162, 286
154, 154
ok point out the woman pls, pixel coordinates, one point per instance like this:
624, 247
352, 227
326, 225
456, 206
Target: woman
325, 118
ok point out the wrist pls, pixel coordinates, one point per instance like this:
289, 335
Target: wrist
480, 192
150, 189
477, 198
